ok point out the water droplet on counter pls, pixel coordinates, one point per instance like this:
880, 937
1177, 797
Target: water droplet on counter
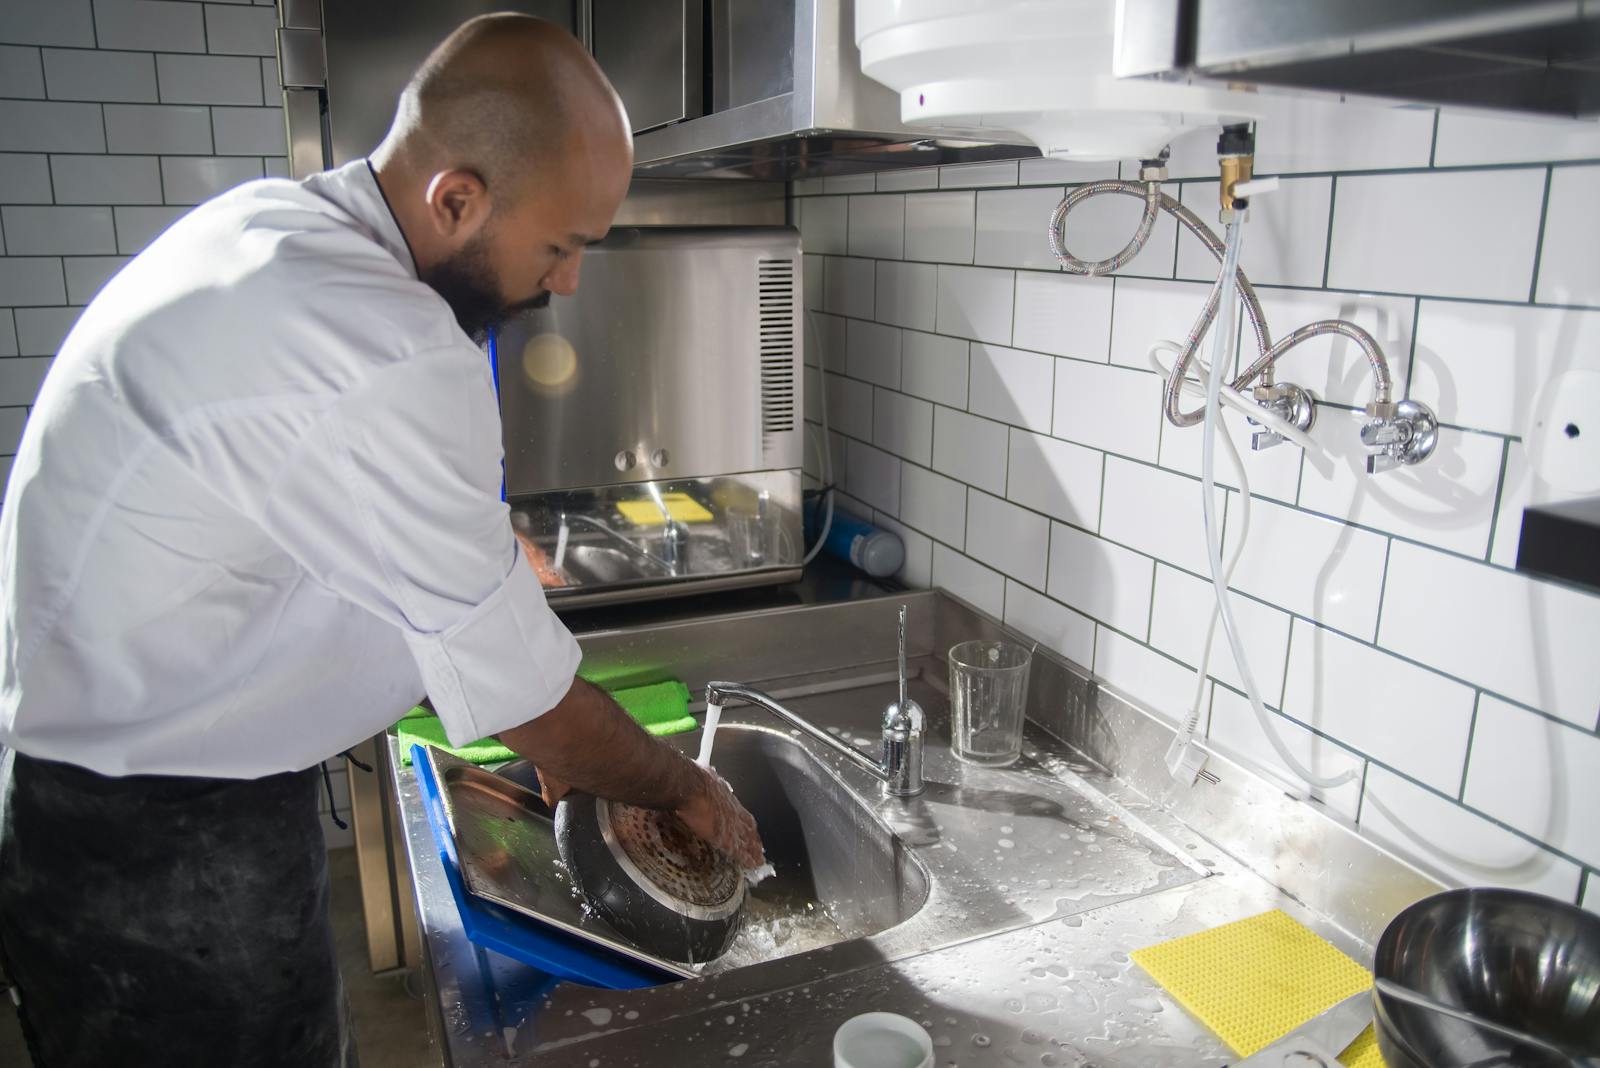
1005, 843
598, 1016
631, 1014
1005, 828
981, 1041
738, 1050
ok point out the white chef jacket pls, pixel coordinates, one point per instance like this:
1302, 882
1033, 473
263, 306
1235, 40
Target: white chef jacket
255, 514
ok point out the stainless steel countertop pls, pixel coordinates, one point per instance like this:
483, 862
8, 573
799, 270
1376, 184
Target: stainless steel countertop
1059, 990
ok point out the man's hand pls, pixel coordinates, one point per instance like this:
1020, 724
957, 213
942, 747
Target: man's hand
588, 743
718, 817
551, 789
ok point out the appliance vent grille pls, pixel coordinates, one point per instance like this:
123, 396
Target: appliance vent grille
775, 292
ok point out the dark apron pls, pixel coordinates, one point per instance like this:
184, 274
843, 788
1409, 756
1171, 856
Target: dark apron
165, 920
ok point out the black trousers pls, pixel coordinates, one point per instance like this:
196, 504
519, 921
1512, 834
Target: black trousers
172, 921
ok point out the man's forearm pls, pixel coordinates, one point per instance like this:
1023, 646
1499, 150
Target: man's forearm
591, 744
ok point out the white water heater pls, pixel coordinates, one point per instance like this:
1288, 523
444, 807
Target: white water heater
1038, 68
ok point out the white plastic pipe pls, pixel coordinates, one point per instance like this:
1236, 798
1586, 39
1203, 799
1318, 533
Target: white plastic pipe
1213, 414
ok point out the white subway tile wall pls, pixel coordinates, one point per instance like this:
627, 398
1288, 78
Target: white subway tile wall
1012, 386
106, 136
1569, 268
1387, 630
1235, 732
1008, 538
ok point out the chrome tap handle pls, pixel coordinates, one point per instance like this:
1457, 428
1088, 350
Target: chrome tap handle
1289, 402
1400, 434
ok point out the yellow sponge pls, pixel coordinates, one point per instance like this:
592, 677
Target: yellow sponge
1257, 979
680, 506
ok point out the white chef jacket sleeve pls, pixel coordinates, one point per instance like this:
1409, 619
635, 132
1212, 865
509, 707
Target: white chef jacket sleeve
391, 498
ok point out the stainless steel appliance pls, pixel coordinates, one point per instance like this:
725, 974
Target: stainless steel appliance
787, 99
652, 421
765, 89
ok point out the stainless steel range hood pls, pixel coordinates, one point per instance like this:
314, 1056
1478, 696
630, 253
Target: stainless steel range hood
1535, 56
796, 105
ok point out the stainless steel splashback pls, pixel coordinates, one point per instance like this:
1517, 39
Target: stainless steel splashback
678, 358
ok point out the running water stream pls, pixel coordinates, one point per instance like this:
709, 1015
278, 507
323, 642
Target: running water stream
709, 735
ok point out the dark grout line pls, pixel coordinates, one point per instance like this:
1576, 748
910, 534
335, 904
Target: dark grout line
1327, 250
1538, 247
1472, 730
1499, 499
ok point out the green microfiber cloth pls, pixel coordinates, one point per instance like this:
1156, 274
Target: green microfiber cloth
660, 708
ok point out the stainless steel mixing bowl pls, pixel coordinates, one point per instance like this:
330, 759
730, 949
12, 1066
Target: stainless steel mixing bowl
1515, 958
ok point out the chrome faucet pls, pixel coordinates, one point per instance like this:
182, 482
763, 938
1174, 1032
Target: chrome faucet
903, 723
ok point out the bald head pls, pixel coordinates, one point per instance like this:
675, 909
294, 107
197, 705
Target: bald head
507, 96
509, 152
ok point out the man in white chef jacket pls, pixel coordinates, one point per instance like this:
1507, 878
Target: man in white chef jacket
256, 515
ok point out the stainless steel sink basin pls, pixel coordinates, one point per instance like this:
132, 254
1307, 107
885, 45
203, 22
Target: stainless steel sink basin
864, 878
841, 873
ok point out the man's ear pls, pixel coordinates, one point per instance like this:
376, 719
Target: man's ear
458, 203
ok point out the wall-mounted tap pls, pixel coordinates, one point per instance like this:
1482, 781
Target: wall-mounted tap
903, 724
1289, 402
1404, 432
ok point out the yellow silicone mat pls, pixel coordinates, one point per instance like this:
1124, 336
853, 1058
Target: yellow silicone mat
1257, 979
681, 506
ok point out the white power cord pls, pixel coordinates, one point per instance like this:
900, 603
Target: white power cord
1182, 759
1185, 757
826, 465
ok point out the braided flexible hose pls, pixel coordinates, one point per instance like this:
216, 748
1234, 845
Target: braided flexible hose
1156, 201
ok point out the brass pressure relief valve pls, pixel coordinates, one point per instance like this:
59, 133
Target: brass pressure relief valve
1236, 160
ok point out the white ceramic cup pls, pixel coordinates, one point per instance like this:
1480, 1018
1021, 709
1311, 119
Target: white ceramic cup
882, 1040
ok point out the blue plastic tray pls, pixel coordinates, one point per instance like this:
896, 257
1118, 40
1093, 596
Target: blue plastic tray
510, 934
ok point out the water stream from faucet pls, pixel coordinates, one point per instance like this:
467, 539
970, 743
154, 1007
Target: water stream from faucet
709, 733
